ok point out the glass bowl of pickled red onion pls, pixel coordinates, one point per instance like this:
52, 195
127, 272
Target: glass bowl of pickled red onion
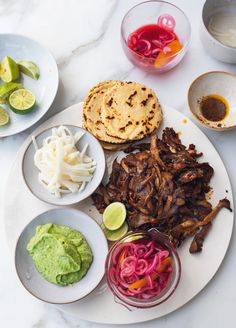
143, 269
155, 35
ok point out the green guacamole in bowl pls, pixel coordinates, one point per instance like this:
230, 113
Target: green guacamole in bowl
61, 254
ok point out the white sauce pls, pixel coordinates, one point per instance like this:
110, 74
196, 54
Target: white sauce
222, 27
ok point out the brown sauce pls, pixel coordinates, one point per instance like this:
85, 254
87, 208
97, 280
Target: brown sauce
214, 107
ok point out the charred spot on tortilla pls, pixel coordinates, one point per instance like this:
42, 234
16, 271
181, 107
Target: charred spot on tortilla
110, 102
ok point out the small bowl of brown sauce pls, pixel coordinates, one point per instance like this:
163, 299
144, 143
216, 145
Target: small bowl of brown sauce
212, 100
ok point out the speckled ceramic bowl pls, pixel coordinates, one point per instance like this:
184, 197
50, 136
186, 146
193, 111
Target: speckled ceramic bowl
216, 82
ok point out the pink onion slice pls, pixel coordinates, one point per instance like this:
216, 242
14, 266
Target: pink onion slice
159, 43
167, 37
150, 245
129, 247
141, 267
152, 267
143, 45
140, 250
134, 38
167, 22
166, 50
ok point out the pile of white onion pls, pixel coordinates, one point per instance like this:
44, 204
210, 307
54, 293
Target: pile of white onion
62, 167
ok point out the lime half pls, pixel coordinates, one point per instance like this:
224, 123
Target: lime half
29, 68
6, 89
9, 70
114, 216
4, 117
115, 234
22, 101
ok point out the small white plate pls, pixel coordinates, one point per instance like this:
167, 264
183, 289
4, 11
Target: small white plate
30, 171
45, 88
32, 279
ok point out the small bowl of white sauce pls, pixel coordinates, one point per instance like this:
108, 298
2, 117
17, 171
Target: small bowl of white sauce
218, 29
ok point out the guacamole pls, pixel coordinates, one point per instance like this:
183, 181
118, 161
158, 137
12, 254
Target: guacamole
61, 254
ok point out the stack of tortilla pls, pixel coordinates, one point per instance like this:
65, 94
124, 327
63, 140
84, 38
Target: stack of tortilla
117, 113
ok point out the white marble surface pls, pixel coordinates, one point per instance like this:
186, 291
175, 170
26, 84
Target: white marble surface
84, 38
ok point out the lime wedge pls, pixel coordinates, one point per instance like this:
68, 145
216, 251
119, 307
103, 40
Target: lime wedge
4, 117
22, 101
6, 89
9, 70
3, 101
114, 216
29, 68
115, 234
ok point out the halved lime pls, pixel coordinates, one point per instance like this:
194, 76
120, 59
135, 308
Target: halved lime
115, 234
114, 216
29, 68
22, 101
6, 89
9, 70
4, 117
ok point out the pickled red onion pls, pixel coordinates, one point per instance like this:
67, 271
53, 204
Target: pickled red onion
167, 37
166, 50
140, 269
134, 38
158, 43
167, 22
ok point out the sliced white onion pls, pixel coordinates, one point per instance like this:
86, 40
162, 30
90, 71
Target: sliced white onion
62, 167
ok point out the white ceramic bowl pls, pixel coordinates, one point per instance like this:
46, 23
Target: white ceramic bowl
215, 48
219, 83
45, 88
32, 279
30, 171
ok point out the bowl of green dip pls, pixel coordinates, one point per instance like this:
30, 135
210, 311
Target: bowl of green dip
60, 255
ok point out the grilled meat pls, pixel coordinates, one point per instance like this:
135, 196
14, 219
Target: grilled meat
197, 242
163, 185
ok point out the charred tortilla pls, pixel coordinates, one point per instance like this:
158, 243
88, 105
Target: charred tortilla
92, 112
130, 111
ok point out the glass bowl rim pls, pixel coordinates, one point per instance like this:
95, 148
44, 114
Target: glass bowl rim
186, 44
125, 300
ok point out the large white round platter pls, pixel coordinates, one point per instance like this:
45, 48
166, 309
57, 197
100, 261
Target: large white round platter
197, 270
45, 88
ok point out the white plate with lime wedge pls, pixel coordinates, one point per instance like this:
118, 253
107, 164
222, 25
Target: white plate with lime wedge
36, 71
